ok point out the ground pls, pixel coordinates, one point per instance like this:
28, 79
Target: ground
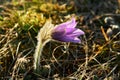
97, 57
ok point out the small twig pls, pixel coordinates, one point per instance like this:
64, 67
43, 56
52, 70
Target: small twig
104, 34
54, 52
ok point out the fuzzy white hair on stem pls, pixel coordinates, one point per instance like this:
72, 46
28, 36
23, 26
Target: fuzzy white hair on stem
43, 37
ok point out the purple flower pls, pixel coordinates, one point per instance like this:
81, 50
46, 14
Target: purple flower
66, 32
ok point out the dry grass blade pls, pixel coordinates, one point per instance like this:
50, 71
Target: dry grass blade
105, 35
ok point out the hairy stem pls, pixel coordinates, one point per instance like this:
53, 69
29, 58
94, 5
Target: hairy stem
38, 53
43, 37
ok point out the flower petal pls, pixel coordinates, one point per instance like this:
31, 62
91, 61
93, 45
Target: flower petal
70, 30
75, 33
77, 40
69, 24
79, 31
67, 38
56, 34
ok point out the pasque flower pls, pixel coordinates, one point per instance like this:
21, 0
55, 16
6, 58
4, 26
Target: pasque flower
66, 32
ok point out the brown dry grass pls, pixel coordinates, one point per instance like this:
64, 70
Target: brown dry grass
96, 58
